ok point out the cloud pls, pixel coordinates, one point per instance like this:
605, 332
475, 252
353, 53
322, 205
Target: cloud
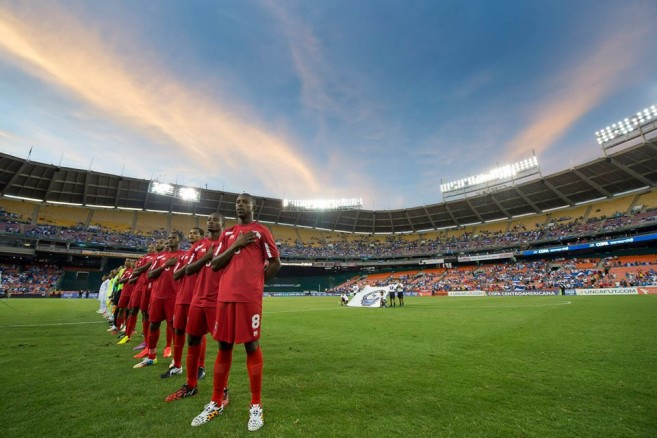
582, 86
128, 88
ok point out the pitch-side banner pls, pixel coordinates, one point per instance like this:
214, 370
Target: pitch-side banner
608, 291
466, 293
522, 293
647, 290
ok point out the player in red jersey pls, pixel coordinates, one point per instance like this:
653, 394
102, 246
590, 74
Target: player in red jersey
140, 280
163, 295
183, 299
202, 311
248, 256
145, 302
126, 293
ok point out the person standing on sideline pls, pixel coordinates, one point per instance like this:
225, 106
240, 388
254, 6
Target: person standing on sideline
248, 256
102, 296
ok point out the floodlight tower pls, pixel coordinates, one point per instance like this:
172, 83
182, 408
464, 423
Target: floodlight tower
493, 180
627, 128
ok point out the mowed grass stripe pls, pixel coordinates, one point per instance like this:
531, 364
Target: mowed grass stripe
458, 367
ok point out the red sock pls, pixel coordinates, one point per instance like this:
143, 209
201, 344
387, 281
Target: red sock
193, 352
178, 345
144, 327
221, 371
169, 334
153, 337
132, 322
254, 367
201, 360
120, 320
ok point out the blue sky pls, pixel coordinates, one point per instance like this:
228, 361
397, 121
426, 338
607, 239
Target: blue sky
320, 99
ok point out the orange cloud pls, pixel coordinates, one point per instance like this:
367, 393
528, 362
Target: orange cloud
582, 87
129, 89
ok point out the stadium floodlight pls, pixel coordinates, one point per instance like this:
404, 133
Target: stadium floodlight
161, 188
626, 125
510, 171
324, 204
72, 204
174, 190
189, 194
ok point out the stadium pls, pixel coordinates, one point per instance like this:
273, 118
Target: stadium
585, 230
519, 302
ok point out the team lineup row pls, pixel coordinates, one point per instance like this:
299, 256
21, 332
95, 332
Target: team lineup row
215, 287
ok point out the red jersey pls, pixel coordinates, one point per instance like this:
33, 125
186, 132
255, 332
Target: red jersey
164, 287
142, 281
186, 284
207, 281
243, 279
127, 286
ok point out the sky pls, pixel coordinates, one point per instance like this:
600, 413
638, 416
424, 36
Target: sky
373, 99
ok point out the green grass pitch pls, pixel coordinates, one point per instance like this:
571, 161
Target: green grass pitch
438, 367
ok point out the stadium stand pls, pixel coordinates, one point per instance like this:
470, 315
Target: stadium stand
184, 223
63, 216
149, 223
612, 207
29, 280
113, 219
19, 211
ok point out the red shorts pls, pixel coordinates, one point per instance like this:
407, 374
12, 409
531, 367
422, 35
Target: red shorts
145, 300
201, 320
135, 299
124, 300
161, 310
180, 316
238, 323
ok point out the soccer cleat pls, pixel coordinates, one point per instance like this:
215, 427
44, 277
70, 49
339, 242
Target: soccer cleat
111, 329
146, 363
124, 340
201, 373
256, 418
210, 411
167, 352
143, 353
140, 346
172, 371
226, 398
184, 392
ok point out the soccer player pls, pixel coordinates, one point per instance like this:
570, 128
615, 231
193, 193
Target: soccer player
202, 311
400, 295
102, 296
163, 297
248, 256
183, 299
126, 293
140, 280
145, 302
391, 296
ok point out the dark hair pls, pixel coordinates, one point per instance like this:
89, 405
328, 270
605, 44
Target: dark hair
246, 195
200, 230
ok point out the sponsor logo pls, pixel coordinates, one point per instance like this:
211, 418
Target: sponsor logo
647, 290
608, 291
371, 299
518, 293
